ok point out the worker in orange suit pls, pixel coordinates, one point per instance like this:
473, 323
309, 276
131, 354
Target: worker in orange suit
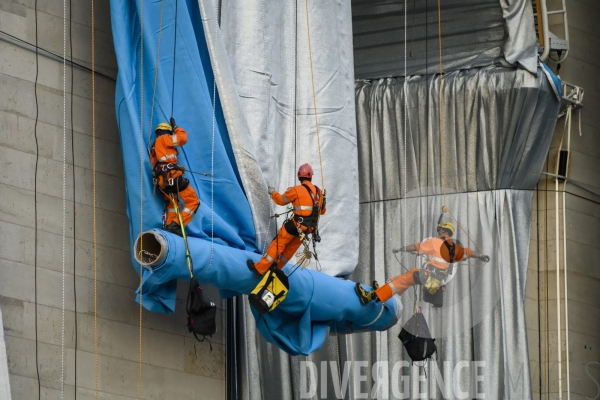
168, 176
308, 203
441, 254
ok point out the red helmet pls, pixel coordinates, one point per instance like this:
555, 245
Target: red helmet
305, 171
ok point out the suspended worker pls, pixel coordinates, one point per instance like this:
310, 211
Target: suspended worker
441, 252
168, 176
308, 203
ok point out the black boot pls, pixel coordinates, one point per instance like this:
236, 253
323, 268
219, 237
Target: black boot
366, 296
174, 228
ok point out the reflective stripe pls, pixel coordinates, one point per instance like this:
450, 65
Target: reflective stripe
378, 316
166, 157
303, 208
171, 210
285, 198
187, 210
268, 257
438, 259
281, 257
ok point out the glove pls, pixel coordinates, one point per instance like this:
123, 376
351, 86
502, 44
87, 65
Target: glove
173, 124
271, 190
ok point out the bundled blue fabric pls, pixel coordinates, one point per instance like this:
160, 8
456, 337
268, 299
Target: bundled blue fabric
184, 84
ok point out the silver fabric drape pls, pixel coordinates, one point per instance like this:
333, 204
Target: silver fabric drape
475, 33
266, 44
498, 127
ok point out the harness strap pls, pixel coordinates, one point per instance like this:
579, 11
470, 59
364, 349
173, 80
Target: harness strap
451, 249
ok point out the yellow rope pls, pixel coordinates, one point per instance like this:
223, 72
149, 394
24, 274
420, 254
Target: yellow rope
94, 202
141, 184
312, 77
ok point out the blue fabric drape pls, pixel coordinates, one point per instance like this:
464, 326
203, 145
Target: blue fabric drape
301, 323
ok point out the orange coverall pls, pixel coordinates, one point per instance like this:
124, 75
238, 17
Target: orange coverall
164, 151
285, 244
437, 255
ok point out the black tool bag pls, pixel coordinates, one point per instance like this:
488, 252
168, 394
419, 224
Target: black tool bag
201, 315
416, 338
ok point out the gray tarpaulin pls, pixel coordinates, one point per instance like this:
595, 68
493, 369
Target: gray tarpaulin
474, 33
498, 127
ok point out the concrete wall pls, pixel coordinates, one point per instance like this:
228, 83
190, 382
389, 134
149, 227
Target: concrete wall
581, 68
172, 366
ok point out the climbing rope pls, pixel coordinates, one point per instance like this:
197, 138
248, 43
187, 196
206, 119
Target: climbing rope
64, 203
293, 98
442, 124
405, 90
268, 106
314, 95
174, 53
97, 387
442, 129
141, 186
160, 30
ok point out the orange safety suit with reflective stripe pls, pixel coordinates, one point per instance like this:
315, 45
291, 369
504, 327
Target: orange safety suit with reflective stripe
438, 256
287, 241
164, 150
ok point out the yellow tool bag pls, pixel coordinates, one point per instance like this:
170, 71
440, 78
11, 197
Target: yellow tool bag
270, 291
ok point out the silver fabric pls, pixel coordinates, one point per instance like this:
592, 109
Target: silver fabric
261, 64
499, 124
474, 33
267, 47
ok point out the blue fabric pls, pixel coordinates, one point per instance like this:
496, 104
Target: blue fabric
300, 324
553, 80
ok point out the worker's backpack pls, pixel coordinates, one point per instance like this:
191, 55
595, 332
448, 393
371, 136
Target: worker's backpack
416, 338
201, 315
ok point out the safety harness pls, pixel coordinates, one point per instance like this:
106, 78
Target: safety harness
312, 220
164, 177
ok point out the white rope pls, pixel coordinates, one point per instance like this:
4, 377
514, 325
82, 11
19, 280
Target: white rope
64, 203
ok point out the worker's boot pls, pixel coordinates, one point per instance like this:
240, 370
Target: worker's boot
366, 296
174, 228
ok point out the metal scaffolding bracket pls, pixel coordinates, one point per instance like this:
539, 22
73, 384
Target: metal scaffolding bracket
571, 95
